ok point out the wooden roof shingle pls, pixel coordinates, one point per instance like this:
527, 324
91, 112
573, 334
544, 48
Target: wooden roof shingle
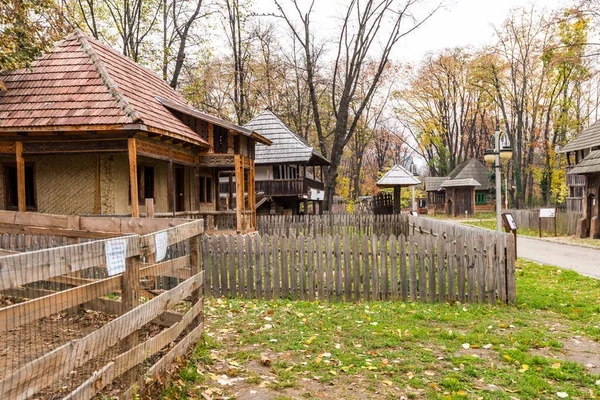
287, 146
472, 169
398, 176
586, 139
433, 183
589, 165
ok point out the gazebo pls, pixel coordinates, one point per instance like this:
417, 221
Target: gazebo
397, 178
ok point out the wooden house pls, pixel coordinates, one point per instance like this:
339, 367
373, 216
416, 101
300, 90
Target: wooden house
289, 172
397, 178
583, 179
467, 189
85, 130
436, 196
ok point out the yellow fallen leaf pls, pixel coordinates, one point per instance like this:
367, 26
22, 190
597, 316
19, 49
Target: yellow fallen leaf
332, 372
556, 366
507, 357
389, 383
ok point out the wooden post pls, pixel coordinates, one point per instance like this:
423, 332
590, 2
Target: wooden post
230, 194
171, 184
397, 199
149, 208
21, 199
97, 199
130, 298
196, 184
135, 206
239, 190
196, 267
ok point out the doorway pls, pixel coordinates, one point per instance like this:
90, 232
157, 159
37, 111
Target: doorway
179, 189
592, 211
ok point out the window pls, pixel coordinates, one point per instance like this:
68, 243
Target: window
145, 176
480, 198
11, 187
220, 138
201, 188
206, 189
276, 172
208, 198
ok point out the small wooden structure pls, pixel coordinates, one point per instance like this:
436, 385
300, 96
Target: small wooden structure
85, 130
436, 196
583, 179
467, 188
397, 178
289, 172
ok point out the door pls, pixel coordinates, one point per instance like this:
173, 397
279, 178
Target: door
179, 189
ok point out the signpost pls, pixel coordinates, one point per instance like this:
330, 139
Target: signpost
547, 213
510, 225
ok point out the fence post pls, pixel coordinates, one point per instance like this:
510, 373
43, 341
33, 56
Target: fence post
130, 298
196, 267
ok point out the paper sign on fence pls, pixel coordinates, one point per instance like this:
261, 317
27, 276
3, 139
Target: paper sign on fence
116, 252
161, 240
547, 212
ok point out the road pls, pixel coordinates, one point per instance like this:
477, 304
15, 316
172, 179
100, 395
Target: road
584, 260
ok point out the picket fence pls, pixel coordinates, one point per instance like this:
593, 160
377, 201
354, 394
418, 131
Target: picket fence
332, 224
469, 265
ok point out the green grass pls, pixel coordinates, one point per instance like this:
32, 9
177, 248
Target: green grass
389, 348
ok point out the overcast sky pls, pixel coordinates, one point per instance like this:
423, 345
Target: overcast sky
458, 23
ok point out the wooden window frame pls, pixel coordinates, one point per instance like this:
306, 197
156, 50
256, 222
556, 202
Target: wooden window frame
479, 196
203, 194
35, 198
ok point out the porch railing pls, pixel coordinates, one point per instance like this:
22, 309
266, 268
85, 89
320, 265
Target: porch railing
574, 179
282, 187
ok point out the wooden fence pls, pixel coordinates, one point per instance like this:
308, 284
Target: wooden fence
331, 224
566, 223
421, 263
127, 342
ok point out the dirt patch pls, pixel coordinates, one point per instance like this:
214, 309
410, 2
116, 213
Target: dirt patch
577, 349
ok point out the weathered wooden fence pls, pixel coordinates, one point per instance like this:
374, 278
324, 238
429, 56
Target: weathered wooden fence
421, 263
331, 224
566, 223
78, 339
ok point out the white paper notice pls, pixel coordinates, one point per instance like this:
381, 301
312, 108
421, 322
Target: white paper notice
547, 212
116, 252
161, 241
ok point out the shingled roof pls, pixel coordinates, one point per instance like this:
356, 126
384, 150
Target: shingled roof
467, 174
287, 148
433, 183
587, 139
398, 176
83, 84
589, 165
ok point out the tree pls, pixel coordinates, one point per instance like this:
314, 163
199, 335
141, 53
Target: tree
363, 25
27, 28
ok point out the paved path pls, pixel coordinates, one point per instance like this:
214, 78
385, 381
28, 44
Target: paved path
584, 260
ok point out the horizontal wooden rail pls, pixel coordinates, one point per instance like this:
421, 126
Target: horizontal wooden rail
38, 373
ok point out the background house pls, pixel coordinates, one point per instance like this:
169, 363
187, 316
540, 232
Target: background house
436, 196
85, 130
289, 172
467, 189
583, 179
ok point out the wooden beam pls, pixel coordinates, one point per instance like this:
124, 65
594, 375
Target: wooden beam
97, 196
239, 190
20, 177
171, 184
131, 148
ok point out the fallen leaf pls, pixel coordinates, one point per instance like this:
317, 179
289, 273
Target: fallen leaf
562, 395
466, 345
389, 383
556, 366
264, 360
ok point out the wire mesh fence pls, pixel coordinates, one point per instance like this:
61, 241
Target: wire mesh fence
100, 316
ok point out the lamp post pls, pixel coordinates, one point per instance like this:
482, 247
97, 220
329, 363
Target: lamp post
491, 155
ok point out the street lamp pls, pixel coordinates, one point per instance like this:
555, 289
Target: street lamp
503, 152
